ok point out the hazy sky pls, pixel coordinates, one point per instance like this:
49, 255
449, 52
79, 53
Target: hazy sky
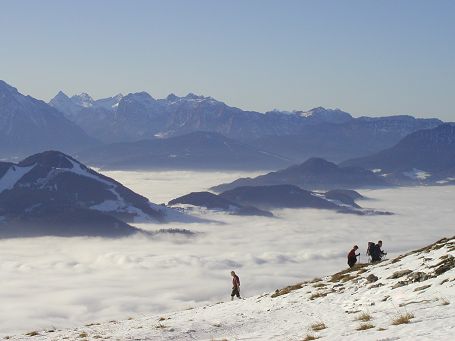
366, 57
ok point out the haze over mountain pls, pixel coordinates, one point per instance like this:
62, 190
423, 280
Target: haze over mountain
424, 156
197, 150
53, 194
297, 135
28, 125
340, 141
315, 173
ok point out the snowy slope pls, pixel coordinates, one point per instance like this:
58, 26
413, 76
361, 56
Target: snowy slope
51, 193
12, 176
419, 284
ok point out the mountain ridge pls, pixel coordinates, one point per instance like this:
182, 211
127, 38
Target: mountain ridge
140, 116
428, 151
29, 125
51, 193
314, 173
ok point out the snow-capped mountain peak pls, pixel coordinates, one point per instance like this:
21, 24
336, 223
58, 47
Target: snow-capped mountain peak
327, 115
110, 103
83, 100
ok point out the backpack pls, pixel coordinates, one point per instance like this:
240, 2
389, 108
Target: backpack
370, 248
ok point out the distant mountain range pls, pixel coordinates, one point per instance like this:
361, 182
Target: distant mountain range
79, 122
28, 125
426, 156
423, 157
315, 173
53, 194
340, 141
296, 135
198, 150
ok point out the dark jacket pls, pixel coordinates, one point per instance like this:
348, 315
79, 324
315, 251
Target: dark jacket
352, 258
235, 281
376, 253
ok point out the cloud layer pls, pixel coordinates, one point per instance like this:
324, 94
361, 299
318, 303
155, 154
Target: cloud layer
58, 282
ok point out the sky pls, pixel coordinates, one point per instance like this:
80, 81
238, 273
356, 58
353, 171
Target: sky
365, 57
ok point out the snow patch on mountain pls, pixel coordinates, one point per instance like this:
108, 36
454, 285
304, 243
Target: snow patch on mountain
445, 181
417, 174
12, 176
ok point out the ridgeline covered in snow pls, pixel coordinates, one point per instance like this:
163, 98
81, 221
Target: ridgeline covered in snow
411, 297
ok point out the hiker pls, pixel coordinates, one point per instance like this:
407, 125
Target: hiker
352, 256
376, 253
235, 286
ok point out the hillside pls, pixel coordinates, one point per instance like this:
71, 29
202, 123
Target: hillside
425, 156
198, 150
314, 173
411, 297
338, 141
51, 193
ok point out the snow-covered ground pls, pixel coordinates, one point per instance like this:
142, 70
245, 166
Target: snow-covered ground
407, 298
57, 283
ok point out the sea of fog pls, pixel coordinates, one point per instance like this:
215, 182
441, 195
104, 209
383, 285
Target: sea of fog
65, 282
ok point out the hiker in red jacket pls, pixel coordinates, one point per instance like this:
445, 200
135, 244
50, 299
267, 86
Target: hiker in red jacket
352, 256
235, 286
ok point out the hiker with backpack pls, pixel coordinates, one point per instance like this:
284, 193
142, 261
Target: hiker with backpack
235, 286
375, 251
352, 256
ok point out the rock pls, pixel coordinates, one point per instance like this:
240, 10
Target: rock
377, 285
445, 265
399, 274
399, 284
418, 277
372, 278
422, 287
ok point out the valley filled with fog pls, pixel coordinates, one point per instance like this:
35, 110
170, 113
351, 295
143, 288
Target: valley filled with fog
64, 282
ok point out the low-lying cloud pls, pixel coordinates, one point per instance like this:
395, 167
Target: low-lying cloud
59, 282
